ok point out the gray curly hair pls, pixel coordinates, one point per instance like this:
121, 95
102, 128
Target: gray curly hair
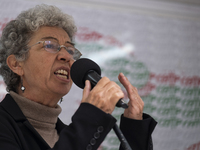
18, 32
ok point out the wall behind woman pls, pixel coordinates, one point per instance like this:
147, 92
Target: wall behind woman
155, 43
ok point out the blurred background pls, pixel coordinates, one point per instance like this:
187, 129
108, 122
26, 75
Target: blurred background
155, 43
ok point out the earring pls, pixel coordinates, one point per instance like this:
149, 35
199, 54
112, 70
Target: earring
61, 100
22, 87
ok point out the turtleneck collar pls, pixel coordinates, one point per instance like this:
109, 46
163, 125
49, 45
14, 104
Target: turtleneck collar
41, 117
35, 110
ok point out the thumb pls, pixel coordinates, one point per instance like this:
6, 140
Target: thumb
86, 90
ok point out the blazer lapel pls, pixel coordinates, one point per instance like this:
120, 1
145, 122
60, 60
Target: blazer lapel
13, 109
60, 125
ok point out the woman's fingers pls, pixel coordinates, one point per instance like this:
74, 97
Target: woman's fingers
104, 95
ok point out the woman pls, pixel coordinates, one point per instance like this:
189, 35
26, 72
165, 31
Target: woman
37, 52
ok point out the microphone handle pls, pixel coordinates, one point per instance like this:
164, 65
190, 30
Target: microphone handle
125, 145
94, 77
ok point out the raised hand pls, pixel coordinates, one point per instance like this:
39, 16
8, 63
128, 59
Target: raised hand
136, 105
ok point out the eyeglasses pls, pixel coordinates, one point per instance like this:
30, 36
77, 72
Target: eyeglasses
54, 47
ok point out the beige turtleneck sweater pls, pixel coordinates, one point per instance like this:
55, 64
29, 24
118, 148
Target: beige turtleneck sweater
41, 117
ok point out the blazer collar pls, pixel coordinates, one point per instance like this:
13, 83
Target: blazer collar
12, 108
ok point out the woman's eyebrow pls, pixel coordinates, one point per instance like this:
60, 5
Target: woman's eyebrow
70, 43
49, 38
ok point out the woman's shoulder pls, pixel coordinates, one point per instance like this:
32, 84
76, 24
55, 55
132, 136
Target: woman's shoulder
10, 111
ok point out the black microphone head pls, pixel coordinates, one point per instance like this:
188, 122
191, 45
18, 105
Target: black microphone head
80, 68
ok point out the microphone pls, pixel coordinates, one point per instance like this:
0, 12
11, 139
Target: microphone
85, 69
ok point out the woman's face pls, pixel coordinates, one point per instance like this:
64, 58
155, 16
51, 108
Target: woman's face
46, 76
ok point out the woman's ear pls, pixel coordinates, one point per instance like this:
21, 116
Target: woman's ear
14, 65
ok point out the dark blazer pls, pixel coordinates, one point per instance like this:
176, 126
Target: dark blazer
88, 129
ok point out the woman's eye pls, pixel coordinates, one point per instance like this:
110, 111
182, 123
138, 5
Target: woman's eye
50, 46
70, 51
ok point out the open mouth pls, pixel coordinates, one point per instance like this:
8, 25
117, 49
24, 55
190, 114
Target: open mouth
62, 73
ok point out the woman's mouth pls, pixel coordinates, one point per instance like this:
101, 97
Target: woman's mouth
62, 73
